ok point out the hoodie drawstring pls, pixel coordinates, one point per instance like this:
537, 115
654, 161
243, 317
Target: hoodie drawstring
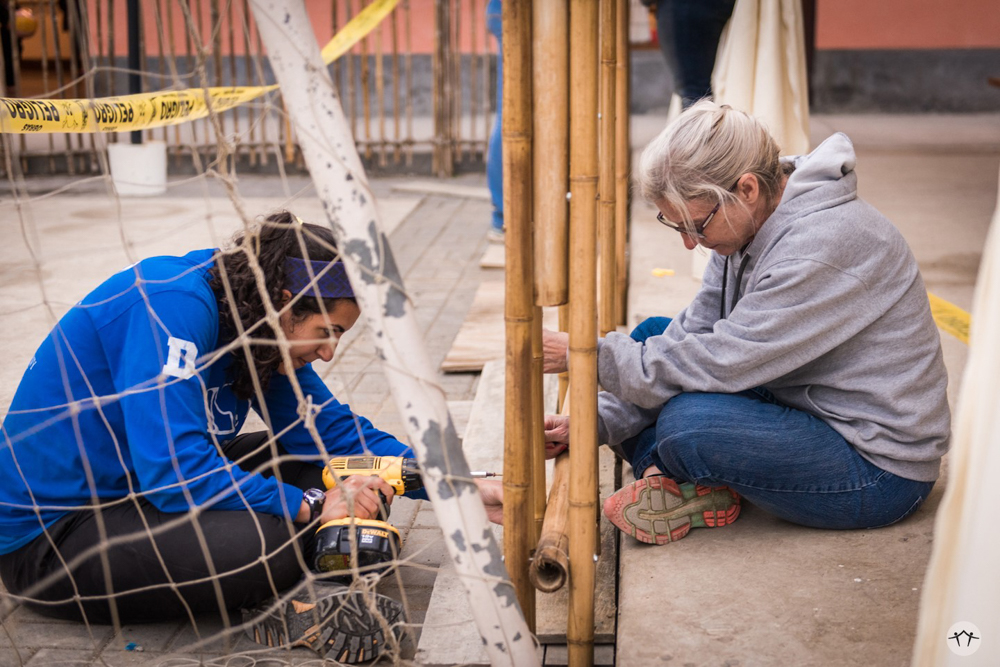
737, 292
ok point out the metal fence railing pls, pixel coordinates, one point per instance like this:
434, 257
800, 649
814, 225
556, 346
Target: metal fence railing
420, 84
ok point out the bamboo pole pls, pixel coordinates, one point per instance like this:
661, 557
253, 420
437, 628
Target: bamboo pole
551, 134
563, 377
519, 306
583, 330
537, 423
623, 161
342, 186
550, 567
607, 315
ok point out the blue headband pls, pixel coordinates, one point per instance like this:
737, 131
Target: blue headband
326, 280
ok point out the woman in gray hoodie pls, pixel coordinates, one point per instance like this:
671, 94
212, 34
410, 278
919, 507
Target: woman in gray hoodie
806, 375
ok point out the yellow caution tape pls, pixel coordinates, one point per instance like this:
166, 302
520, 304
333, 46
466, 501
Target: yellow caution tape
950, 318
148, 110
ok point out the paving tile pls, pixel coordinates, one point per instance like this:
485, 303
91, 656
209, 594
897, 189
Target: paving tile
152, 637
54, 634
50, 657
10, 657
211, 637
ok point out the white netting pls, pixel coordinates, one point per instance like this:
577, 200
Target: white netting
65, 236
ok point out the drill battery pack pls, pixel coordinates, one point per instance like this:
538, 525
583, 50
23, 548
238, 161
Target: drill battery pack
377, 542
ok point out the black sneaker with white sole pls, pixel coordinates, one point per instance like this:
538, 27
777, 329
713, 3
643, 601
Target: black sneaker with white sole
347, 626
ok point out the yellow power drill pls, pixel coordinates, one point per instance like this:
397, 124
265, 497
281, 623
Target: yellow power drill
377, 542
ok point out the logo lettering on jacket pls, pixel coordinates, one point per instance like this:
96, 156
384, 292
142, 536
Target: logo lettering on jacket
181, 357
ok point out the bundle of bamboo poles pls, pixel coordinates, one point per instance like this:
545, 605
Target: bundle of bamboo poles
562, 78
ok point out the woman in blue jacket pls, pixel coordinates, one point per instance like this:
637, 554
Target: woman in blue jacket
127, 492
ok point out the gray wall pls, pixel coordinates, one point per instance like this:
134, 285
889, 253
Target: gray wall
912, 81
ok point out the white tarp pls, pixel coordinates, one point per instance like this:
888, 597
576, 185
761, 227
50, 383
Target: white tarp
761, 69
962, 586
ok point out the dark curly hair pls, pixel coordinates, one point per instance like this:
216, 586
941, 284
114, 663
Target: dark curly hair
281, 235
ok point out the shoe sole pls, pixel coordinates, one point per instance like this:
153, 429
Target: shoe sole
340, 626
658, 510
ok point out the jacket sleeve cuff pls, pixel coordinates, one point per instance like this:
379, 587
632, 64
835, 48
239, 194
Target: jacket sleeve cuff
287, 501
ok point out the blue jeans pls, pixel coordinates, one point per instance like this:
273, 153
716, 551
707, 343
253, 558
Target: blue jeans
788, 462
494, 151
689, 32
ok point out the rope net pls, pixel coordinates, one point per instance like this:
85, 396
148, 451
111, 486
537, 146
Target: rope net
156, 440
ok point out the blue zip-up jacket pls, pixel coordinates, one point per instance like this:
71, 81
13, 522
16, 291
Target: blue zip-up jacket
129, 393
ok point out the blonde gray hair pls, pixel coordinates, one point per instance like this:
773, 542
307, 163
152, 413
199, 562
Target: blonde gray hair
703, 153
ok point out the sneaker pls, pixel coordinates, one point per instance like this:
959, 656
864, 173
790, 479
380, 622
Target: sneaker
658, 510
337, 622
495, 235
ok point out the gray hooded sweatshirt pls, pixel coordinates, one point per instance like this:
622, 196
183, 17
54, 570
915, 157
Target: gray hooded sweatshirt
832, 318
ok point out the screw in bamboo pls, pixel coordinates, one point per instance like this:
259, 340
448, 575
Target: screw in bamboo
583, 329
519, 306
607, 315
623, 161
551, 133
550, 566
342, 186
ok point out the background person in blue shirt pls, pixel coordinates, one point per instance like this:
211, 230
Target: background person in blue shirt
128, 494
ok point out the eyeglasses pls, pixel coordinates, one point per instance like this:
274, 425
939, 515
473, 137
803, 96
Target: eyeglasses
698, 231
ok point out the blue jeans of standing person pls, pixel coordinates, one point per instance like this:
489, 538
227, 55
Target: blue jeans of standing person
494, 152
689, 33
788, 462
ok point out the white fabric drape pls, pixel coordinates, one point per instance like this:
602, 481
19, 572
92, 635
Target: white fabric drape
761, 69
963, 577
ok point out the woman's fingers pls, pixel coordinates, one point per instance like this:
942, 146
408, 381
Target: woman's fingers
556, 429
554, 449
491, 492
364, 490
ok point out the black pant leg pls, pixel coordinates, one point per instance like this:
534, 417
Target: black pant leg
182, 562
254, 452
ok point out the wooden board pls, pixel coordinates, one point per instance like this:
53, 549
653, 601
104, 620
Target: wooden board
444, 189
449, 635
481, 336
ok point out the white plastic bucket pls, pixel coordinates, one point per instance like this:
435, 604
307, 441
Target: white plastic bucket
139, 170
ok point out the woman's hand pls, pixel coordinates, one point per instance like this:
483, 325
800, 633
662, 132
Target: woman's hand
555, 349
364, 492
491, 491
556, 435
